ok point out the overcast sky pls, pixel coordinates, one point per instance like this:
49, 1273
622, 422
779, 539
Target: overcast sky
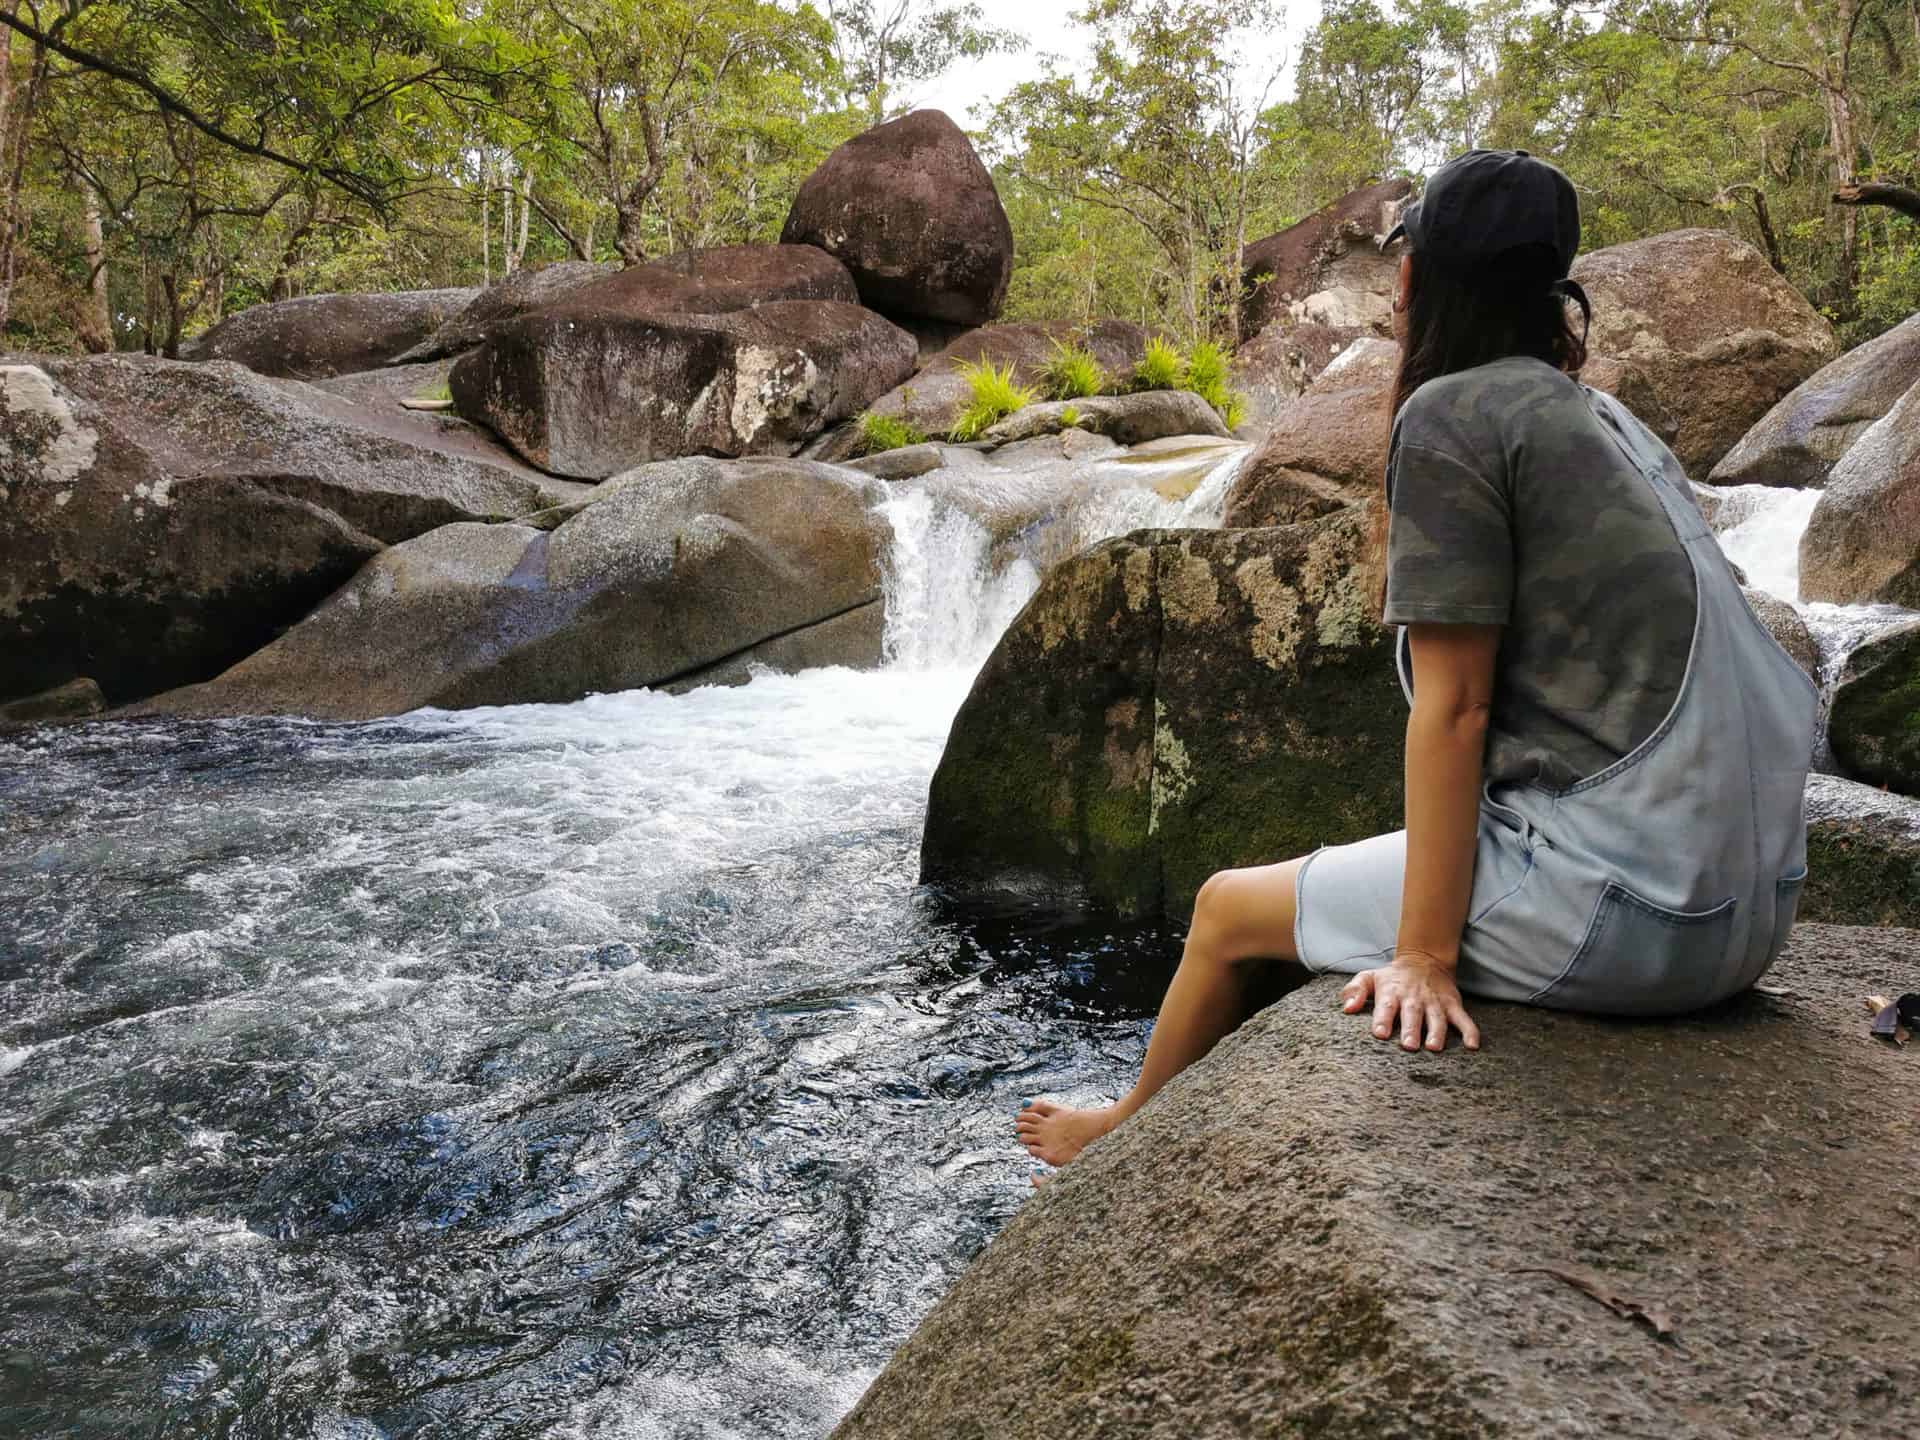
1046, 25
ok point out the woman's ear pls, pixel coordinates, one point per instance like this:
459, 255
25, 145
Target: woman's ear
1403, 284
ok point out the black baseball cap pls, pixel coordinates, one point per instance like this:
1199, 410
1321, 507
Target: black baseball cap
1486, 203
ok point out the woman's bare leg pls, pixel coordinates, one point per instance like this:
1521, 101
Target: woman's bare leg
1239, 915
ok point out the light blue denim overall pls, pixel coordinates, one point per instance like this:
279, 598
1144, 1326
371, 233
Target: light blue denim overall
1663, 883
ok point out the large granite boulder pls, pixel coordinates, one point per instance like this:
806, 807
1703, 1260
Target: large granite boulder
911, 211
1699, 336
1788, 628
933, 399
1327, 269
1863, 854
1802, 438
748, 350
1862, 543
320, 335
1875, 724
1667, 1230
509, 298
159, 520
663, 573
1326, 448
1168, 704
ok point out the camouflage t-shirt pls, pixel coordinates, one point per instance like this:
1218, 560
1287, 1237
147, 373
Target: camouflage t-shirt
1511, 503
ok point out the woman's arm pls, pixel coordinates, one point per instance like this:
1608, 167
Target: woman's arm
1446, 750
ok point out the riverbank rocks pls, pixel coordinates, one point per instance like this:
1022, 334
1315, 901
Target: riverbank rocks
1862, 543
1325, 449
1279, 363
660, 573
1124, 419
509, 298
1667, 1230
1167, 704
1875, 726
1802, 438
933, 399
1863, 855
320, 335
1327, 269
913, 214
1785, 624
76, 700
741, 351
160, 519
1696, 334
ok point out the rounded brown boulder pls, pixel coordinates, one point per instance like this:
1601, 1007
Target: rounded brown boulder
1697, 335
911, 211
1862, 544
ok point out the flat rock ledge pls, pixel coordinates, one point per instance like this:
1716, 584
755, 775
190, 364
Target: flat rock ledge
1312, 1234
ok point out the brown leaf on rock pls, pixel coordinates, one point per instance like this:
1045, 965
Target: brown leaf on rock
1656, 1319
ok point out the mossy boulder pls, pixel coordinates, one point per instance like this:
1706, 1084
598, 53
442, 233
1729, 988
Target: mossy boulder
1876, 710
1863, 855
1169, 704
1313, 1234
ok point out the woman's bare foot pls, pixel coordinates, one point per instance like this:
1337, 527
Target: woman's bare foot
1058, 1133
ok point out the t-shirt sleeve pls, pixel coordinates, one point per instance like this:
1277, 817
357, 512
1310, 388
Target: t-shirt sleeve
1449, 541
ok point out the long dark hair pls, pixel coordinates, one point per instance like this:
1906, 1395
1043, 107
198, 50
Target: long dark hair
1457, 319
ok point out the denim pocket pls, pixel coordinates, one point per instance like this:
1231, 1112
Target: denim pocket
1786, 905
1639, 958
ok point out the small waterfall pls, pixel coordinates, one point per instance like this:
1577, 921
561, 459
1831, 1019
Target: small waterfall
1760, 528
968, 555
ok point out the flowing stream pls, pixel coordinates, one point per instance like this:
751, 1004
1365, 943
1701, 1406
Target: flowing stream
581, 1070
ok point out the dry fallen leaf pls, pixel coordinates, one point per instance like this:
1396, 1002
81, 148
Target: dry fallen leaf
1774, 989
1655, 1319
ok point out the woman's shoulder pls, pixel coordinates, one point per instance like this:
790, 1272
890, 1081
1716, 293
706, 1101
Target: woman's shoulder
1482, 412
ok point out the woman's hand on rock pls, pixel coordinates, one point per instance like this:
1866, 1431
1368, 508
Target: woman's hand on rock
1419, 996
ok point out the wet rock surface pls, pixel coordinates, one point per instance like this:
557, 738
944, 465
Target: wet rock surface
1124, 419
320, 335
75, 700
1166, 705
1697, 335
1802, 438
1875, 728
912, 212
1862, 544
1311, 1233
661, 572
1784, 623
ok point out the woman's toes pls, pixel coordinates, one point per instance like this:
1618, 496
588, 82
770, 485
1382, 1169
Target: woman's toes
1040, 1108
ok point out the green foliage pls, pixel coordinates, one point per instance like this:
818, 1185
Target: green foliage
1071, 373
1161, 367
880, 433
1070, 418
992, 395
1233, 410
1206, 372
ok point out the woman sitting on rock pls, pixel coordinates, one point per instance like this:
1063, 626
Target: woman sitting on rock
1607, 753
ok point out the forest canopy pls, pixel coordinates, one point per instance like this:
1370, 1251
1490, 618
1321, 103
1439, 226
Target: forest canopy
166, 162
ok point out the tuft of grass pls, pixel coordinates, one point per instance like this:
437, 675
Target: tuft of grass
993, 396
1071, 373
1160, 367
1207, 376
1233, 410
1069, 418
881, 433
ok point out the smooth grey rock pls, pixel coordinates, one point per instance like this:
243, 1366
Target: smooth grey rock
911, 461
667, 570
1862, 544
1124, 419
320, 335
1311, 1233
852, 640
1801, 439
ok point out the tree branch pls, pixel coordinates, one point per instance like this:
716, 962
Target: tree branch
1894, 197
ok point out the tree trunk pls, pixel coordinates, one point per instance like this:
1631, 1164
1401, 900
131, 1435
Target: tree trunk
16, 120
506, 221
526, 208
486, 224
1894, 197
95, 319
